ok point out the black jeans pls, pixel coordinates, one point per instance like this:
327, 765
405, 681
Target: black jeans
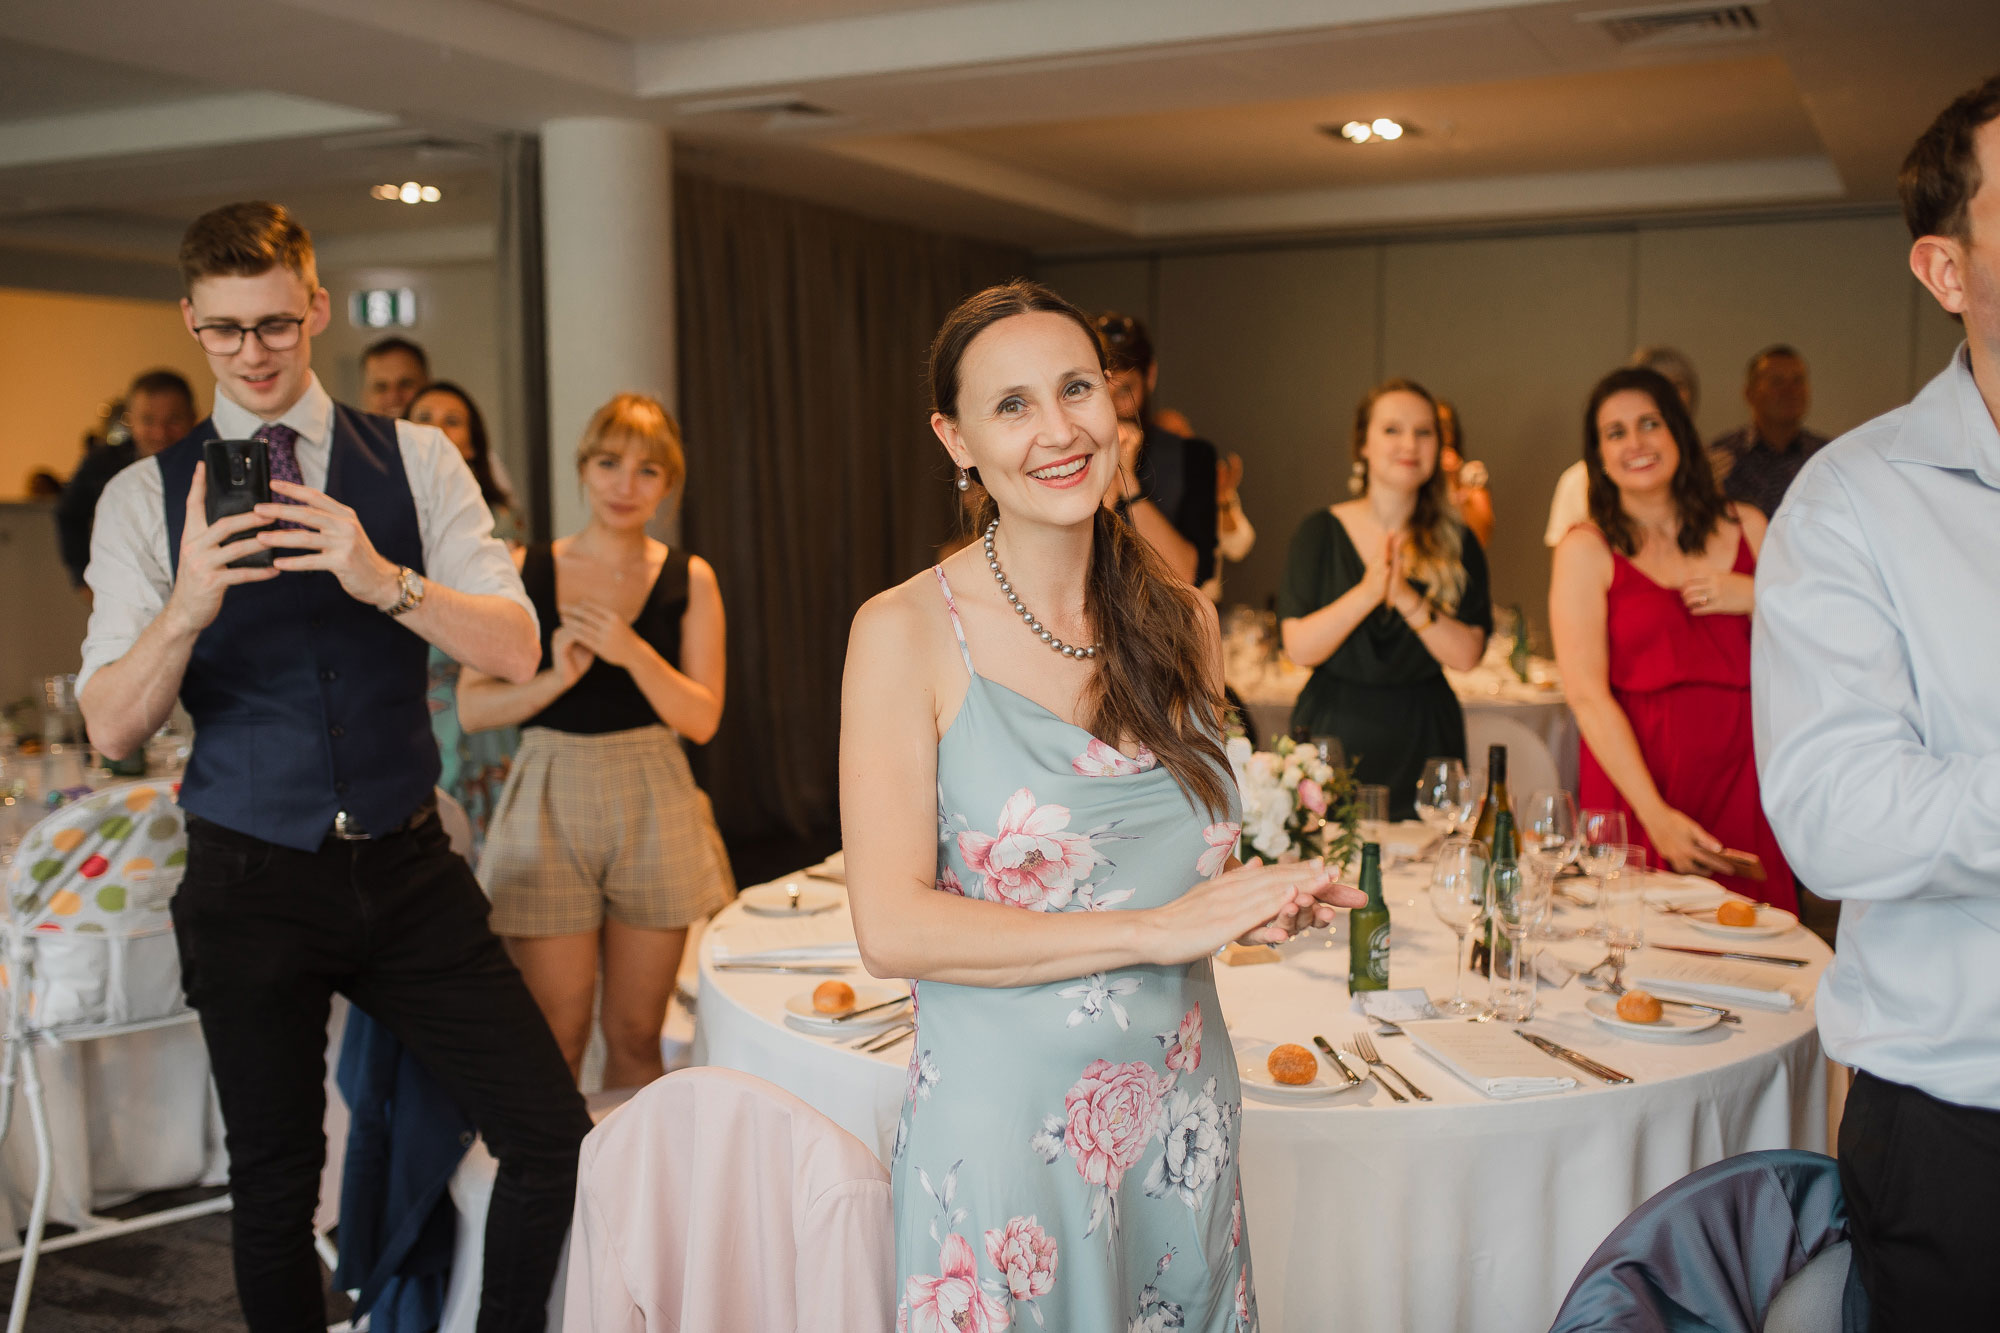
1922, 1180
398, 925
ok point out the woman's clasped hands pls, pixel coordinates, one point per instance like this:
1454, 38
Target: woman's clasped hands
1252, 904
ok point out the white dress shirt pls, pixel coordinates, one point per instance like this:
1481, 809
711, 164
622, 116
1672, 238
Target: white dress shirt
1571, 503
1876, 688
131, 571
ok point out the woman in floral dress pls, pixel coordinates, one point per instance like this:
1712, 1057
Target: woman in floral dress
1039, 827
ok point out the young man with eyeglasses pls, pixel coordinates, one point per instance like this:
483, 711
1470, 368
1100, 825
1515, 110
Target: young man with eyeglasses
316, 862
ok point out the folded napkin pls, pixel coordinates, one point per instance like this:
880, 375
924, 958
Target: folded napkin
833, 868
1395, 1006
1491, 1058
1673, 892
816, 938
1759, 985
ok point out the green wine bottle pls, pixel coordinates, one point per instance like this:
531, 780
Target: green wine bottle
1503, 894
1368, 928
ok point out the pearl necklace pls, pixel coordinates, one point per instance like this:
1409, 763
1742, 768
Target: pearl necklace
1027, 616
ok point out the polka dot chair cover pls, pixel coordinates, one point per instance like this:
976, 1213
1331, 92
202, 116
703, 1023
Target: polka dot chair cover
88, 902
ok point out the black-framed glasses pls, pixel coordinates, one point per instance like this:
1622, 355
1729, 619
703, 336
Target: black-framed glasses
279, 333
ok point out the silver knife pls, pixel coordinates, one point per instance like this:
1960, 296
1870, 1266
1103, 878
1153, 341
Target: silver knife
1569, 1057
1729, 953
820, 969
882, 1041
873, 1008
1333, 1058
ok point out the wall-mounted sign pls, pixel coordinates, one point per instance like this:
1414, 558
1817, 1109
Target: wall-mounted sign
383, 307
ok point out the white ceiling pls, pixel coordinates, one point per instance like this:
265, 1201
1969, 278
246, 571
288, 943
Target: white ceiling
1057, 124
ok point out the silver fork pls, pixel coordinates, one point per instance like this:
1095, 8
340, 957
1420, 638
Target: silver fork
882, 1041
1362, 1045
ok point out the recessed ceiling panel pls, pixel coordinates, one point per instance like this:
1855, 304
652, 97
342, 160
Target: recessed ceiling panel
1648, 115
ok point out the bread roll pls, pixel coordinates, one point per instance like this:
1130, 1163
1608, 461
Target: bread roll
1736, 913
1636, 1006
1292, 1064
833, 997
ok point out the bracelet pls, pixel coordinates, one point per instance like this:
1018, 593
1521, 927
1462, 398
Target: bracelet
1430, 618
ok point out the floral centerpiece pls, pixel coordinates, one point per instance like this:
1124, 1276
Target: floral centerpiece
1296, 804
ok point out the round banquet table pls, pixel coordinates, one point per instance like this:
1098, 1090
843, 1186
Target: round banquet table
1269, 690
1463, 1213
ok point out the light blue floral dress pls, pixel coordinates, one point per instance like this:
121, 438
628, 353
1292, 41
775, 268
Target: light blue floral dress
1066, 1157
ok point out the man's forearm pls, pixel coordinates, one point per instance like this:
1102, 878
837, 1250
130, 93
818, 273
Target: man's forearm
488, 633
126, 702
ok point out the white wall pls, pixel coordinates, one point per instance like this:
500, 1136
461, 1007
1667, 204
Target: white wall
457, 325
1267, 349
62, 356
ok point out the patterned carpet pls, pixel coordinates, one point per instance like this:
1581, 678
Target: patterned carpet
173, 1279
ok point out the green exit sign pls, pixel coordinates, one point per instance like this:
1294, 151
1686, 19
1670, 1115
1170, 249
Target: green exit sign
383, 307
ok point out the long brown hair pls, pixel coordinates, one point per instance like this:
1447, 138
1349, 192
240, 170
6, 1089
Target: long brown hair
1698, 501
1437, 534
1156, 681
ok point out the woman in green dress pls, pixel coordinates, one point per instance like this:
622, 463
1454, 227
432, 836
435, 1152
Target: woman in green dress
1381, 593
475, 764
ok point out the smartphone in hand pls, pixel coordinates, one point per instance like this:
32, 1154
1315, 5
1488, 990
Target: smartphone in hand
1747, 864
239, 479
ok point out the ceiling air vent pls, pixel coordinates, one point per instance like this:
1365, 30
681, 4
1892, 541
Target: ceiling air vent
1678, 25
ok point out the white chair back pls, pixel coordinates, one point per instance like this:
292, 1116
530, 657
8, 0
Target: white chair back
1811, 1299
1530, 766
713, 1199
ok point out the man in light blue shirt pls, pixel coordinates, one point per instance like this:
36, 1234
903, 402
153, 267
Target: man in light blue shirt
1876, 681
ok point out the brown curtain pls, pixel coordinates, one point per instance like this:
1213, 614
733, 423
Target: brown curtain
813, 478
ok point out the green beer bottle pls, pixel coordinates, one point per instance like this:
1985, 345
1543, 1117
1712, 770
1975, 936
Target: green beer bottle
1368, 928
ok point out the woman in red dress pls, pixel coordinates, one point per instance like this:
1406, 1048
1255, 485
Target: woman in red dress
1650, 609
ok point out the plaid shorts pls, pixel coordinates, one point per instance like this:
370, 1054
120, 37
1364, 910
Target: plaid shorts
608, 823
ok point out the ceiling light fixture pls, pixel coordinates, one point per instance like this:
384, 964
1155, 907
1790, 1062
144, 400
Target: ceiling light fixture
1380, 130
409, 192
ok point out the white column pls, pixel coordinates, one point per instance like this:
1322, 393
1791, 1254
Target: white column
608, 260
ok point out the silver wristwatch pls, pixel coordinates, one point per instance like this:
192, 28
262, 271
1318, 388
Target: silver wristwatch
412, 585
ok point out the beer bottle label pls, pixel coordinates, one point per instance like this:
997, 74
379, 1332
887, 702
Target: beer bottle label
1378, 954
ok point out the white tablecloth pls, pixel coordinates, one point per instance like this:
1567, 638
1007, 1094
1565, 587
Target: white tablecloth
1269, 691
1462, 1214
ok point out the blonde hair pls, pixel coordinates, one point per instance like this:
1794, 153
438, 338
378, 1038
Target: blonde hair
632, 420
1437, 533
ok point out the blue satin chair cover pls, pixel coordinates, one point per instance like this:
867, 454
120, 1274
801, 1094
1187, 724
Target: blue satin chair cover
1709, 1253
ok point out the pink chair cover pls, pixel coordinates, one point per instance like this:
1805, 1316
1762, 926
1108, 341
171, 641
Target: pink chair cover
714, 1200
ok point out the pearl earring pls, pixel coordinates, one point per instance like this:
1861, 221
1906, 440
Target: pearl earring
964, 482
1357, 477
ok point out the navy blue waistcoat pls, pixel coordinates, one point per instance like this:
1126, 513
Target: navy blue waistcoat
306, 702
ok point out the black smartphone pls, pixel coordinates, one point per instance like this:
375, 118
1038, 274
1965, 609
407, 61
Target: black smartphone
239, 479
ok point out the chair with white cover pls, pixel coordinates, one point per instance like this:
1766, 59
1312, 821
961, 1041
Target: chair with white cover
1530, 766
91, 954
713, 1199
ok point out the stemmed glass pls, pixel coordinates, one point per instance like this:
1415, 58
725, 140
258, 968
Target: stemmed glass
1517, 899
1603, 852
1445, 798
1622, 902
1457, 888
1549, 839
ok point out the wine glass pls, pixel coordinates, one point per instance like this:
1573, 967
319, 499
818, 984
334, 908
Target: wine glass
1622, 902
1457, 888
1549, 840
1603, 851
1444, 795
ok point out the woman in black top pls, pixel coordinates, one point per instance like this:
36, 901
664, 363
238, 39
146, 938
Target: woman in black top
601, 842
1381, 593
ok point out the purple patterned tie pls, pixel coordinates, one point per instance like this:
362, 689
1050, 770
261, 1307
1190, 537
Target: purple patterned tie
279, 441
